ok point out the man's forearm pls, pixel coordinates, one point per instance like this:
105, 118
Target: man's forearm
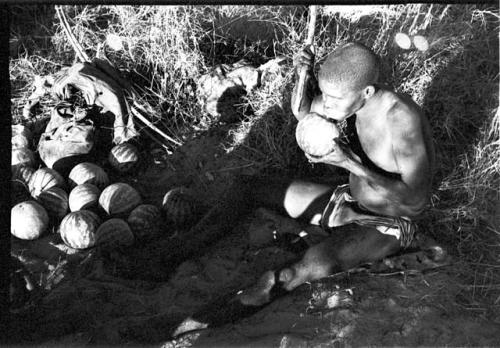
301, 109
392, 189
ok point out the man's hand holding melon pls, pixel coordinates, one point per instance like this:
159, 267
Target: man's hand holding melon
318, 137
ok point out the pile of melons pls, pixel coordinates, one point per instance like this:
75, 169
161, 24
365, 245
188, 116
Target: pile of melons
85, 208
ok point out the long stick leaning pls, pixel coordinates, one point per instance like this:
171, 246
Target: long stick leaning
301, 87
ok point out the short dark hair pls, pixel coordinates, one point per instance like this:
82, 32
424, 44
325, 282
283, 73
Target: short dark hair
352, 65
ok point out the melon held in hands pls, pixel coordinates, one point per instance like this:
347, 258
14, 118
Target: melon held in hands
28, 220
315, 135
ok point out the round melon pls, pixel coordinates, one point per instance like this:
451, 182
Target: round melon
19, 192
144, 221
22, 173
29, 220
22, 157
88, 173
114, 232
315, 134
119, 199
55, 201
124, 157
78, 229
43, 179
179, 207
84, 196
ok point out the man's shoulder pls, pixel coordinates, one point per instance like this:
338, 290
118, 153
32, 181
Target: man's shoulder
402, 109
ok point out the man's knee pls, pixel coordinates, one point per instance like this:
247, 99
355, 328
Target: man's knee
306, 200
362, 244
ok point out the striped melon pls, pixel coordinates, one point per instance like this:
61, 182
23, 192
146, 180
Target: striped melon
124, 157
78, 229
55, 201
43, 179
22, 174
19, 192
28, 220
84, 196
88, 173
119, 199
179, 207
144, 221
114, 232
23, 157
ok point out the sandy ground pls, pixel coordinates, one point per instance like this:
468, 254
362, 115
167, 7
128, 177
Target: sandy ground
88, 302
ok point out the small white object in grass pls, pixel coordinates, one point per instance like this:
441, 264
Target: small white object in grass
302, 234
114, 42
421, 43
402, 40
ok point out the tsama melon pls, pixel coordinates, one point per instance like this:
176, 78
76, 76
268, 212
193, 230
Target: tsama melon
114, 232
19, 192
84, 196
315, 134
55, 201
22, 173
43, 179
88, 173
124, 157
29, 220
119, 199
78, 229
179, 207
145, 221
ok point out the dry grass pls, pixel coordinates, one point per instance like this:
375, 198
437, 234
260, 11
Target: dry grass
167, 48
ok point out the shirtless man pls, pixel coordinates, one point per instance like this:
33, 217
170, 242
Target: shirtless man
389, 155
388, 152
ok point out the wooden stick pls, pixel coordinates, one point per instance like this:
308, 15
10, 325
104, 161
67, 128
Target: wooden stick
301, 88
80, 53
152, 126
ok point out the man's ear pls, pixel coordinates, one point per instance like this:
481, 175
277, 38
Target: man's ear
369, 91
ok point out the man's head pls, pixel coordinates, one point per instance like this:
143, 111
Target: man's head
347, 78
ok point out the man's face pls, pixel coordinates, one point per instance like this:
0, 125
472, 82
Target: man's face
339, 102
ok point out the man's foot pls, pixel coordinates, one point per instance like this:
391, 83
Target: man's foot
234, 307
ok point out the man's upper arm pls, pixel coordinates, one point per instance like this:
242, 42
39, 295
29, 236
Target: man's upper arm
410, 151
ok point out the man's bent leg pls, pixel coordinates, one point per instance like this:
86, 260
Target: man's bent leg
295, 198
348, 246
